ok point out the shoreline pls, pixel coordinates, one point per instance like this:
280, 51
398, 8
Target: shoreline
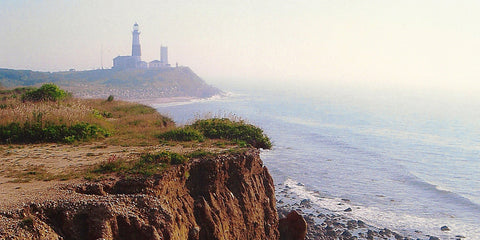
317, 215
324, 223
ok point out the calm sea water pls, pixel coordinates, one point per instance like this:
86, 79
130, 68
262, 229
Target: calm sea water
408, 160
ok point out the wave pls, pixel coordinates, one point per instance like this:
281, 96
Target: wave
439, 192
426, 139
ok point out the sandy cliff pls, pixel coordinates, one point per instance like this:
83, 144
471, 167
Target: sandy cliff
230, 196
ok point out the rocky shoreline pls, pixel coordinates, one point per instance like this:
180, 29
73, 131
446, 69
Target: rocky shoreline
324, 224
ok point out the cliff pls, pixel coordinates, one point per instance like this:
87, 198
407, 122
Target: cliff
229, 196
123, 84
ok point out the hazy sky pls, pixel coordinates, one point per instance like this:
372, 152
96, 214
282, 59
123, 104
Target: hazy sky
415, 42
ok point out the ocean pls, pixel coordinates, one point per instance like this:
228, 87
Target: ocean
406, 159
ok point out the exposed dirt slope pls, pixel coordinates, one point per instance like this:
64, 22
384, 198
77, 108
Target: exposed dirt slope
230, 196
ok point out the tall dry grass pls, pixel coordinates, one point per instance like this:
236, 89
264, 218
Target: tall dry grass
130, 123
132, 120
66, 112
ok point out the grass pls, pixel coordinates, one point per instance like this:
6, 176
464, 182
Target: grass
113, 122
17, 91
148, 164
39, 173
71, 120
131, 122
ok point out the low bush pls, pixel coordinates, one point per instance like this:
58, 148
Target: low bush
182, 134
239, 132
47, 92
36, 132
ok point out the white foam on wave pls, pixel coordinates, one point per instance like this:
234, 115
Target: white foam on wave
186, 101
403, 223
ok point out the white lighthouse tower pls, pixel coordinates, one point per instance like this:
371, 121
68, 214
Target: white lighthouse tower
136, 50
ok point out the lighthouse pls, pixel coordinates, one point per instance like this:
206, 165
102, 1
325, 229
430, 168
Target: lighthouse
136, 50
135, 60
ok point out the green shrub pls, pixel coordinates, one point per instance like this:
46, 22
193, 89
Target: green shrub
47, 92
110, 98
182, 134
37, 131
223, 128
240, 133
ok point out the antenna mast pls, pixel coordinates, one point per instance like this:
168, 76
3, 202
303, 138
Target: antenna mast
101, 55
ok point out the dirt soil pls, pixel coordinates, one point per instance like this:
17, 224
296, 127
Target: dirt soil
25, 169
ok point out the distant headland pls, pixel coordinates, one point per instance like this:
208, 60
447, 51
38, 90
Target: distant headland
130, 78
127, 84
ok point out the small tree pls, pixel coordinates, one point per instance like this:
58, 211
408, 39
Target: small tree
110, 98
47, 92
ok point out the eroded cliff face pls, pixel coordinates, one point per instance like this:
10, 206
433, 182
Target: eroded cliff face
224, 197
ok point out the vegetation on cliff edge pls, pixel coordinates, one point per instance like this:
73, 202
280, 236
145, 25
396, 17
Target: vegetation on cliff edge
239, 132
48, 114
148, 164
